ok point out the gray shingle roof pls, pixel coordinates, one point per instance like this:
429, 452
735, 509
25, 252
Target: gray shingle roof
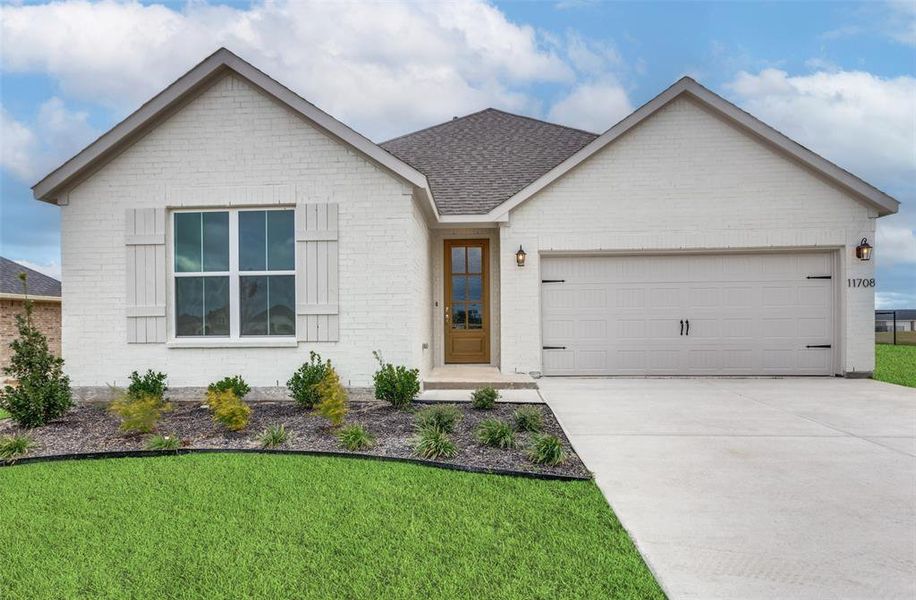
475, 163
39, 283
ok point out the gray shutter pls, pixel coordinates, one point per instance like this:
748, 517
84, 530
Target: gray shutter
146, 282
317, 318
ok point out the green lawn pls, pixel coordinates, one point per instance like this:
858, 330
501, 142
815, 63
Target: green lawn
896, 364
261, 526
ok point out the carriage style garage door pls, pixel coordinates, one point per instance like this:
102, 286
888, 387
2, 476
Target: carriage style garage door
688, 314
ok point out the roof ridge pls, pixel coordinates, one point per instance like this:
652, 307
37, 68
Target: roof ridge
488, 109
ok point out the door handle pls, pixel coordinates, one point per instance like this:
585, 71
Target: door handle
688, 327
447, 310
682, 326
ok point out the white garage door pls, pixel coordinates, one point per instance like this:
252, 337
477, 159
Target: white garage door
691, 314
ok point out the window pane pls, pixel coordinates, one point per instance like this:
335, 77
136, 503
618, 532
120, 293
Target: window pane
459, 287
475, 287
216, 305
187, 242
280, 240
474, 259
216, 241
282, 304
253, 305
459, 316
458, 259
252, 241
475, 316
189, 306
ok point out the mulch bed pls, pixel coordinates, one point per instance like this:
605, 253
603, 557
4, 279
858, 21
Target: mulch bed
92, 429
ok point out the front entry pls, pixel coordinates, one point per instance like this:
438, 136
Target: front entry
467, 302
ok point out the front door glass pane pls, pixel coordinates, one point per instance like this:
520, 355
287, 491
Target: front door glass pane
458, 262
459, 288
475, 259
475, 287
475, 316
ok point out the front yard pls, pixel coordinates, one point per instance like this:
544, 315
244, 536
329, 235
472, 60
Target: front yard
895, 364
259, 526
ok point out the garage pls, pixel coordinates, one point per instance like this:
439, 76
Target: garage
689, 314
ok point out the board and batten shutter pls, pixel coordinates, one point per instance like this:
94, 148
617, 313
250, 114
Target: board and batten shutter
146, 280
317, 318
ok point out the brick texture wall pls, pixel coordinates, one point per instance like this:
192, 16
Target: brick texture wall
233, 145
46, 316
685, 179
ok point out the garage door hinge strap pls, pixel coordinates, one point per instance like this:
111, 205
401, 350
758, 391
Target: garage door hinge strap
819, 277
553, 281
553, 347
819, 346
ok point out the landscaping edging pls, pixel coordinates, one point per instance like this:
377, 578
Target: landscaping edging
357, 455
91, 431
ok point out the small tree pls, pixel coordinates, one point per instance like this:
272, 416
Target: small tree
43, 391
333, 404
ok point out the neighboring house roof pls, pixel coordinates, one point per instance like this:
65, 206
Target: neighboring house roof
212, 67
904, 314
475, 163
871, 195
39, 284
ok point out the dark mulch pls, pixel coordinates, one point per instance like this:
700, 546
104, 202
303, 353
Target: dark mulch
91, 428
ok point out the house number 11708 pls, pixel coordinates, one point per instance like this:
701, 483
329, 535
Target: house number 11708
861, 282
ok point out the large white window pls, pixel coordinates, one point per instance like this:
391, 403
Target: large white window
234, 273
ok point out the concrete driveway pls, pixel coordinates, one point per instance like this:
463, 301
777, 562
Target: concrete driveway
755, 488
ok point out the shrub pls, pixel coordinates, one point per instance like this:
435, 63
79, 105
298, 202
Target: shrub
355, 437
12, 446
528, 418
495, 433
43, 391
441, 417
229, 410
432, 443
333, 404
274, 436
149, 384
546, 450
395, 384
235, 383
139, 414
163, 442
302, 385
484, 398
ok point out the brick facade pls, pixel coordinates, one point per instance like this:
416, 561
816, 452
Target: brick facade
46, 316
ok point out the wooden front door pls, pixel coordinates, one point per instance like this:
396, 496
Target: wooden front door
467, 301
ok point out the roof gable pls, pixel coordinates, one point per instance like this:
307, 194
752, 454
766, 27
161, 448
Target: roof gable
210, 69
883, 203
476, 162
39, 284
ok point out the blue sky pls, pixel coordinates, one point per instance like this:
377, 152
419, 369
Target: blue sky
838, 77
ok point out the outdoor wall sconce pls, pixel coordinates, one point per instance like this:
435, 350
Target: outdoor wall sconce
520, 256
863, 250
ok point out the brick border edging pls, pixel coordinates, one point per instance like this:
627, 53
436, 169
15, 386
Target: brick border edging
329, 453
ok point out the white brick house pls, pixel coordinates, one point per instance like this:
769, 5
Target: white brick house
229, 226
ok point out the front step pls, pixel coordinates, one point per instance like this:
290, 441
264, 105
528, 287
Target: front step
473, 385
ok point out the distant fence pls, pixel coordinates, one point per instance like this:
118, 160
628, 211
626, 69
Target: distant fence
889, 329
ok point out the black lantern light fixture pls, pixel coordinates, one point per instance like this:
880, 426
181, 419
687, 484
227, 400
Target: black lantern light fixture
863, 250
520, 256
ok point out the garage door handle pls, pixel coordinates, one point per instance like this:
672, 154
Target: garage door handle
682, 326
688, 327
553, 347
819, 346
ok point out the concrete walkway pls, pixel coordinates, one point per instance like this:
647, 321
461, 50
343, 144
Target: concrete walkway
755, 488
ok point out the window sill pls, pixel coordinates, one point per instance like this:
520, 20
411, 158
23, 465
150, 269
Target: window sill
233, 343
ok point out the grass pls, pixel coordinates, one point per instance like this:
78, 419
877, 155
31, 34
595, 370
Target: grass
896, 364
4, 414
258, 526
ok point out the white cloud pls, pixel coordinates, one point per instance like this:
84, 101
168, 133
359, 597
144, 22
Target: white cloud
29, 151
902, 21
896, 244
50, 269
382, 67
592, 106
863, 122
894, 300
